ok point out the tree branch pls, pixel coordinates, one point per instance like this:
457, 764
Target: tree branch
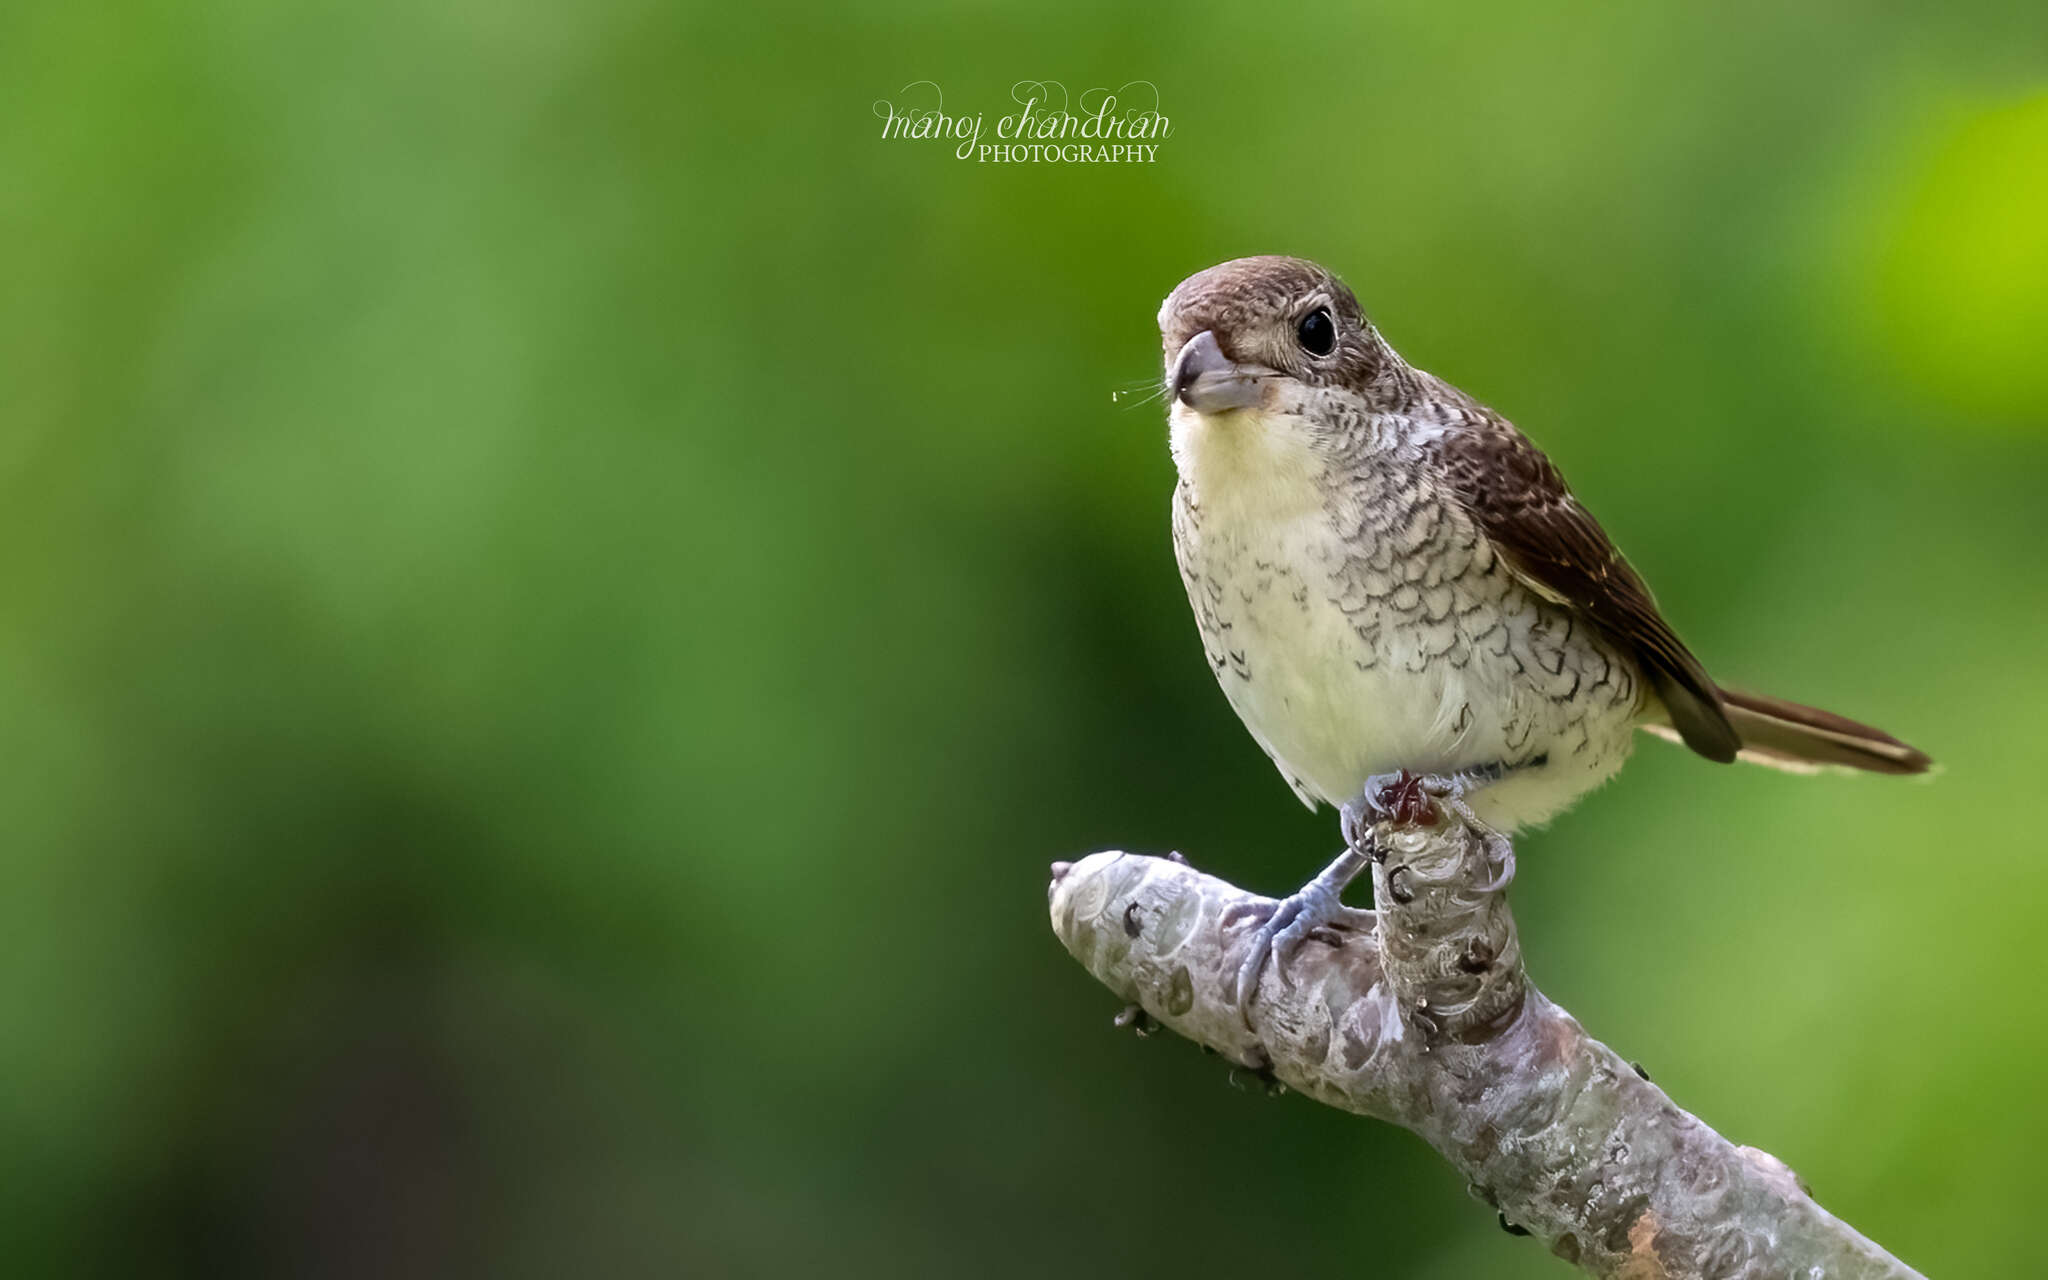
1421, 1014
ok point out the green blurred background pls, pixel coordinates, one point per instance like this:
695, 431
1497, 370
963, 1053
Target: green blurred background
557, 596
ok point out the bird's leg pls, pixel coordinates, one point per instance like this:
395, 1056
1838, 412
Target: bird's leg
1406, 799
1315, 904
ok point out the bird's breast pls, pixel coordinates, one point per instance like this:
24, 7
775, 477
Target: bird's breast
1359, 621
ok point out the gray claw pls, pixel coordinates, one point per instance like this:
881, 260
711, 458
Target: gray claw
1254, 961
1294, 918
1500, 851
1354, 822
1506, 858
1297, 916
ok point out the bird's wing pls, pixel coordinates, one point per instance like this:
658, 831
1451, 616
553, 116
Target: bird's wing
1556, 546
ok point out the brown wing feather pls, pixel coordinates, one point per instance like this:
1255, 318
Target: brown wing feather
1525, 509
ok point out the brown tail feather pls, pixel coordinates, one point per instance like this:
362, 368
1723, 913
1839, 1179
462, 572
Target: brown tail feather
1786, 735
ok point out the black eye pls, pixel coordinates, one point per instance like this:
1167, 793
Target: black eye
1317, 333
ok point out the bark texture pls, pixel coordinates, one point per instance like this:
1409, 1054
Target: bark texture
1421, 1014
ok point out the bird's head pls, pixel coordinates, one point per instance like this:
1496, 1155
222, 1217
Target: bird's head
1273, 372
1264, 333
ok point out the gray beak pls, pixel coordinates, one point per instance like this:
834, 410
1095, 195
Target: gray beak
1205, 380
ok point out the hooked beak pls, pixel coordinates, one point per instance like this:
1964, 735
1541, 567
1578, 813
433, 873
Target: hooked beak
1207, 381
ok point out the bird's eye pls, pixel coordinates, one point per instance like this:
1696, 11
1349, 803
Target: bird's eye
1317, 332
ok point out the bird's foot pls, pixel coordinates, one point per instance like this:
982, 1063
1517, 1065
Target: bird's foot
1316, 905
1500, 852
1410, 799
1405, 798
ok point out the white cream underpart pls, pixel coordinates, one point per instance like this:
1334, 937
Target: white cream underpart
1336, 692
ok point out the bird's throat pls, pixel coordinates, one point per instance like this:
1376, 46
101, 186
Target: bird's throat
1249, 465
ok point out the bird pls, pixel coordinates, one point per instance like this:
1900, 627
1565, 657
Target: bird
1392, 583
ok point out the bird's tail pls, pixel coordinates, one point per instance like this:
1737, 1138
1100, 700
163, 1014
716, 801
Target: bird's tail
1785, 735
